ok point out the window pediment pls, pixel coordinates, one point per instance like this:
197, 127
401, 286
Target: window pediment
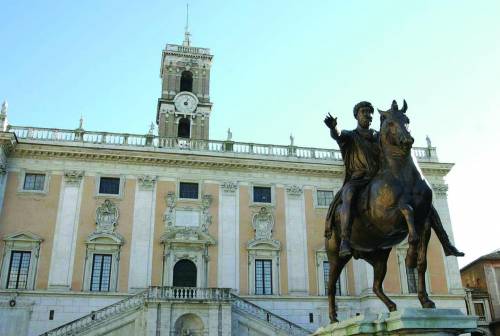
104, 238
24, 236
264, 244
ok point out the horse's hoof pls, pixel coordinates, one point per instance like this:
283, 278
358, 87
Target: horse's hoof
392, 307
333, 319
428, 304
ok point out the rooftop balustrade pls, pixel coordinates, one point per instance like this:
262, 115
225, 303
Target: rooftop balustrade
83, 137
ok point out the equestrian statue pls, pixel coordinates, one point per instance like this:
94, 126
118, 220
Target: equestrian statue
383, 200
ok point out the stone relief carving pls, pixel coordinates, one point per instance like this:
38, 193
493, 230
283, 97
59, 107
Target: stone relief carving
229, 187
440, 189
206, 217
263, 223
146, 182
106, 217
294, 190
73, 177
168, 216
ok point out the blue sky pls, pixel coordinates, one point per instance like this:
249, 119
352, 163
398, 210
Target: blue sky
279, 67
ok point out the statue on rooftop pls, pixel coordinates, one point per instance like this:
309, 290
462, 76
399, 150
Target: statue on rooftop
383, 200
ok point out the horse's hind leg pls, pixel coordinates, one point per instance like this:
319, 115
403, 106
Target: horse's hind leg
422, 266
379, 262
337, 263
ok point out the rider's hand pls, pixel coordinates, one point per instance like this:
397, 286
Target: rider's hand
330, 121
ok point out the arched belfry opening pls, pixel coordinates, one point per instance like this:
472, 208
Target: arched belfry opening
184, 274
186, 81
184, 128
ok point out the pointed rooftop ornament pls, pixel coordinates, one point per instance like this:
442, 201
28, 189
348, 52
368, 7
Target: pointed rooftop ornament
229, 135
5, 107
187, 35
151, 128
292, 139
80, 125
429, 143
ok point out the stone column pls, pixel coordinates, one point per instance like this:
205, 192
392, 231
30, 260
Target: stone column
63, 250
440, 201
296, 237
363, 277
141, 253
229, 237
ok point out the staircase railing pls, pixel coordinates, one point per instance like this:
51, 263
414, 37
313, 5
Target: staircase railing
78, 325
265, 315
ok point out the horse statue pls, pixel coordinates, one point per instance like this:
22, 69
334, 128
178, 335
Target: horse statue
395, 204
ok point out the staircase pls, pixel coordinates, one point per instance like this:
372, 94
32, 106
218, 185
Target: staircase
281, 325
97, 317
129, 316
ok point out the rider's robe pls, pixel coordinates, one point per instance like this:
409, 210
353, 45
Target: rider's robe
360, 152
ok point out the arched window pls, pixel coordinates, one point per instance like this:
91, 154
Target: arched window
186, 81
184, 274
184, 129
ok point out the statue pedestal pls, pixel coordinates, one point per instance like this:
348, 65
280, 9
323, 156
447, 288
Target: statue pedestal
408, 321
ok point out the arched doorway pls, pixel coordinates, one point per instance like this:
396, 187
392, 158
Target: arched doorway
189, 324
186, 81
184, 274
184, 128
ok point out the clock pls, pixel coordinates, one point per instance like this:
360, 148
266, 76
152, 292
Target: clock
185, 102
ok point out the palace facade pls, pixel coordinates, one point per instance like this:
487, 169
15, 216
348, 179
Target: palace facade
178, 234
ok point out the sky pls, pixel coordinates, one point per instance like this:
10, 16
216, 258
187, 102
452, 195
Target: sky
279, 66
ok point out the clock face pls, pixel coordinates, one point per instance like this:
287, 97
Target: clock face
186, 103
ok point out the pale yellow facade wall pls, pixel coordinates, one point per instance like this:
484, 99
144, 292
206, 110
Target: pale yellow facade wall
436, 267
280, 234
87, 225
36, 213
213, 251
246, 233
392, 282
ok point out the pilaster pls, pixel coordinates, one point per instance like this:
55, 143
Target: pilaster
141, 253
63, 250
296, 236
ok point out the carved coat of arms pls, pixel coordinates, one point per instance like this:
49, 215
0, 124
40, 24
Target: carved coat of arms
106, 217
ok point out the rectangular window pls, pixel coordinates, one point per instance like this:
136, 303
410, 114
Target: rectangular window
325, 197
109, 185
188, 190
326, 274
101, 273
412, 279
18, 270
34, 182
263, 277
479, 308
262, 194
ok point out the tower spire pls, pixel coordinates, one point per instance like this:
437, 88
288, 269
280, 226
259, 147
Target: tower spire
187, 35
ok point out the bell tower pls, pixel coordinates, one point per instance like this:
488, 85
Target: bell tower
184, 107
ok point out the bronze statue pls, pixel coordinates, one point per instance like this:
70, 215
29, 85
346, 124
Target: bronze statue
383, 200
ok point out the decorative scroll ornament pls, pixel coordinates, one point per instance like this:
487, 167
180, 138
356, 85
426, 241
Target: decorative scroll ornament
229, 187
294, 190
73, 177
168, 216
440, 189
263, 223
106, 217
206, 218
146, 182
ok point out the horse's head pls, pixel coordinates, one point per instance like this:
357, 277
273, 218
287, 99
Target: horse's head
394, 127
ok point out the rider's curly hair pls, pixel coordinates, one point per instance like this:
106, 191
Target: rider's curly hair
361, 105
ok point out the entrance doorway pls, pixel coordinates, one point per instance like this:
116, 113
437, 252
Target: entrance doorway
184, 274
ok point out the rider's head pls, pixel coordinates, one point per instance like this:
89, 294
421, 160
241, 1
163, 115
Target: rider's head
363, 113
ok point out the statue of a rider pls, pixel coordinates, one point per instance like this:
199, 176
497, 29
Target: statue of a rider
360, 152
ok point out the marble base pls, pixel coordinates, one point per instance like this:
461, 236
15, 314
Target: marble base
407, 321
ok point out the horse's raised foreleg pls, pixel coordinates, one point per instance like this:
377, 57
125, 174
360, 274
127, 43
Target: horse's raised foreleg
411, 254
337, 263
422, 267
379, 262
